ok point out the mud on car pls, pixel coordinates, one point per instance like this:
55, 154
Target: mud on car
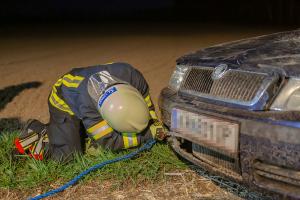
234, 109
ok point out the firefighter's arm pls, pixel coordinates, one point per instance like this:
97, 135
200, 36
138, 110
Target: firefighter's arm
102, 134
156, 127
140, 83
150, 106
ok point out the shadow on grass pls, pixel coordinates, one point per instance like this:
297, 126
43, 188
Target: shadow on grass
7, 94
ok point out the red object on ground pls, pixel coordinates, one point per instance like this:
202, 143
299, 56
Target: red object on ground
19, 146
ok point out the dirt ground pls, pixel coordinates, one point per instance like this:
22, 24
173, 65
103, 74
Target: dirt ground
180, 185
42, 54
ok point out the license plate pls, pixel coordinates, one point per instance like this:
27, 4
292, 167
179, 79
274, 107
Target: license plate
212, 131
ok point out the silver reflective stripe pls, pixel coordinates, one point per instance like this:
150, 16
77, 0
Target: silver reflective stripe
30, 140
95, 132
130, 139
39, 146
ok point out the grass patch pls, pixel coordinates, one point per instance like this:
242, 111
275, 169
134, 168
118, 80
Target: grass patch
26, 173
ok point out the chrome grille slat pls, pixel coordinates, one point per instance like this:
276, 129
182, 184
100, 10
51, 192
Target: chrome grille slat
200, 86
238, 95
235, 85
231, 87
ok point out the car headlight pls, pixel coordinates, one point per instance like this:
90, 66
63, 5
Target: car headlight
177, 77
289, 97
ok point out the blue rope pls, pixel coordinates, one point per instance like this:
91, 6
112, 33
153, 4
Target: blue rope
146, 146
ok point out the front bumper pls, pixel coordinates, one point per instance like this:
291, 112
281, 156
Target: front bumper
269, 144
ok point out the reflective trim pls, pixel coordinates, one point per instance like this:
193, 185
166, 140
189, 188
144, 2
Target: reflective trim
58, 83
46, 139
148, 100
99, 130
26, 142
96, 126
59, 103
38, 147
73, 78
130, 140
70, 84
106, 131
69, 81
72, 81
153, 114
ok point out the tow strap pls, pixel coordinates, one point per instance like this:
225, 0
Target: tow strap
147, 146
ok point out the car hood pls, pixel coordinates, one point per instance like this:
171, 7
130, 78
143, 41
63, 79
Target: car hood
279, 52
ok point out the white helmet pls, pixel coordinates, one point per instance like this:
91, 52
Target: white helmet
124, 108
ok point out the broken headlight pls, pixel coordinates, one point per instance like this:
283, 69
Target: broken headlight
289, 97
177, 77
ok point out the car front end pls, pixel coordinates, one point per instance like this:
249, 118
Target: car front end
235, 111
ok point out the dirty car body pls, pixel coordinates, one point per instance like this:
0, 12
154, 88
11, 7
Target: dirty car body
234, 109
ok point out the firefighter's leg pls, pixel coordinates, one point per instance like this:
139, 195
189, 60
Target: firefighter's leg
64, 136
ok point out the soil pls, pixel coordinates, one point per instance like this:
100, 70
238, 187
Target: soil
178, 185
32, 58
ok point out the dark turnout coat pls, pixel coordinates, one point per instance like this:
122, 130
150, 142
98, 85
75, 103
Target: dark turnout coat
74, 116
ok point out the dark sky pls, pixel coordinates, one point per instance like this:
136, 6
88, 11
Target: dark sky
76, 9
254, 11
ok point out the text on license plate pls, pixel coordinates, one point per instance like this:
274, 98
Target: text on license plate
217, 132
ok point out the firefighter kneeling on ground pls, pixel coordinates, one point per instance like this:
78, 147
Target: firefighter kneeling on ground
107, 105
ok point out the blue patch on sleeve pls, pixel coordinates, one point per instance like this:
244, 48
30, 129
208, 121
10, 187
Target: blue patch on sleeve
105, 95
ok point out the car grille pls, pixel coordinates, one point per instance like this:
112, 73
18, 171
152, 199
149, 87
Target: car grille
216, 158
234, 86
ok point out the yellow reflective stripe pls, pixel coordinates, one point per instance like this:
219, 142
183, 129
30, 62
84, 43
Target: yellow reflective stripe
135, 140
130, 140
58, 82
153, 114
148, 100
125, 140
102, 133
59, 103
99, 130
68, 84
72, 81
62, 103
96, 126
33, 147
69, 81
71, 77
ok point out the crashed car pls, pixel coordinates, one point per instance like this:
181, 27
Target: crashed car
234, 110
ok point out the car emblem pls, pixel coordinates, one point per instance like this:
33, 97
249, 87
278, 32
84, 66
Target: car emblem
219, 71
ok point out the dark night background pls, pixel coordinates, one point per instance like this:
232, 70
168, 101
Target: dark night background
43, 39
40, 40
272, 12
